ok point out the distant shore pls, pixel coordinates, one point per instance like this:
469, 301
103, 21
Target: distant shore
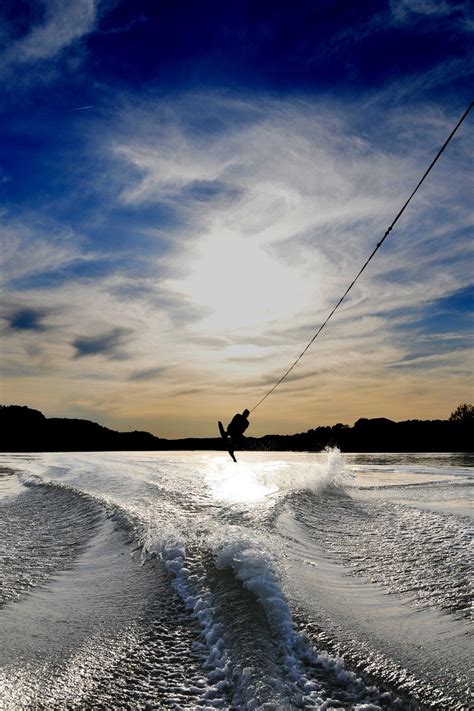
27, 430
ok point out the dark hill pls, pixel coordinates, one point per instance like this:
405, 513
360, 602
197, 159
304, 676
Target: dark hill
27, 430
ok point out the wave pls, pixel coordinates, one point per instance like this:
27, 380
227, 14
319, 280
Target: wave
254, 564
41, 533
428, 483
420, 554
224, 563
306, 678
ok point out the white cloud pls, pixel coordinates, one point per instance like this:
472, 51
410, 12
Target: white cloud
64, 23
29, 248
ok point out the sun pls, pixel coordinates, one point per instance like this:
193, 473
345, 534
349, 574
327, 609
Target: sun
243, 284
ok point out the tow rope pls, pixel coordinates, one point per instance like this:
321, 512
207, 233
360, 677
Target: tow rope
377, 247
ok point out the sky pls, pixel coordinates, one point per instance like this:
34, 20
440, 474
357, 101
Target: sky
187, 188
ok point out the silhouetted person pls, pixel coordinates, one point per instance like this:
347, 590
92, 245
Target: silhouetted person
238, 425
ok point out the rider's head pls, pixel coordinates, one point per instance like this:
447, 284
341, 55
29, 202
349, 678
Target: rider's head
246, 413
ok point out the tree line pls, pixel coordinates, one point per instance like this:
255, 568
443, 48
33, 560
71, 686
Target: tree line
27, 430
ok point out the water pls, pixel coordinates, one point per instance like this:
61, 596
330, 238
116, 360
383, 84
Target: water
286, 581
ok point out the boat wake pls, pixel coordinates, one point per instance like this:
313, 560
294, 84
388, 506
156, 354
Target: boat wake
178, 581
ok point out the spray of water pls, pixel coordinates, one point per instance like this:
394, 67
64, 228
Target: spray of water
253, 481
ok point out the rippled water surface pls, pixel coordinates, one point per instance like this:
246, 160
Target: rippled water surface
286, 581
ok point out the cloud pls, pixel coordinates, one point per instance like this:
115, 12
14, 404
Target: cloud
176, 165
434, 360
188, 391
231, 288
27, 319
178, 308
440, 75
63, 24
109, 344
210, 341
405, 10
307, 197
148, 374
33, 246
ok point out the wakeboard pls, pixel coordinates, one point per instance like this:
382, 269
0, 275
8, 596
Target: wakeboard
227, 440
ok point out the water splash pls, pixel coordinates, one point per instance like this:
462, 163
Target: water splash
252, 481
326, 471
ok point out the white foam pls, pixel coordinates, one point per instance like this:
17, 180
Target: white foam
254, 563
190, 584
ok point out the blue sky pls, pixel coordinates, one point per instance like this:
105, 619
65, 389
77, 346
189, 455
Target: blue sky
187, 188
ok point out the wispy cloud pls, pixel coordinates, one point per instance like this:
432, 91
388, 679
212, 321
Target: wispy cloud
148, 374
63, 24
407, 10
275, 204
30, 246
110, 344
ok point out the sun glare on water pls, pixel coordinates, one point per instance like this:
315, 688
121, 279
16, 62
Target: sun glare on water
236, 482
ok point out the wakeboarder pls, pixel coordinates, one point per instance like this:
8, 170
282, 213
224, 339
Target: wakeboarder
234, 434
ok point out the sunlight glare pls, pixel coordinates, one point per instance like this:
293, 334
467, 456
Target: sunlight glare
242, 284
236, 482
